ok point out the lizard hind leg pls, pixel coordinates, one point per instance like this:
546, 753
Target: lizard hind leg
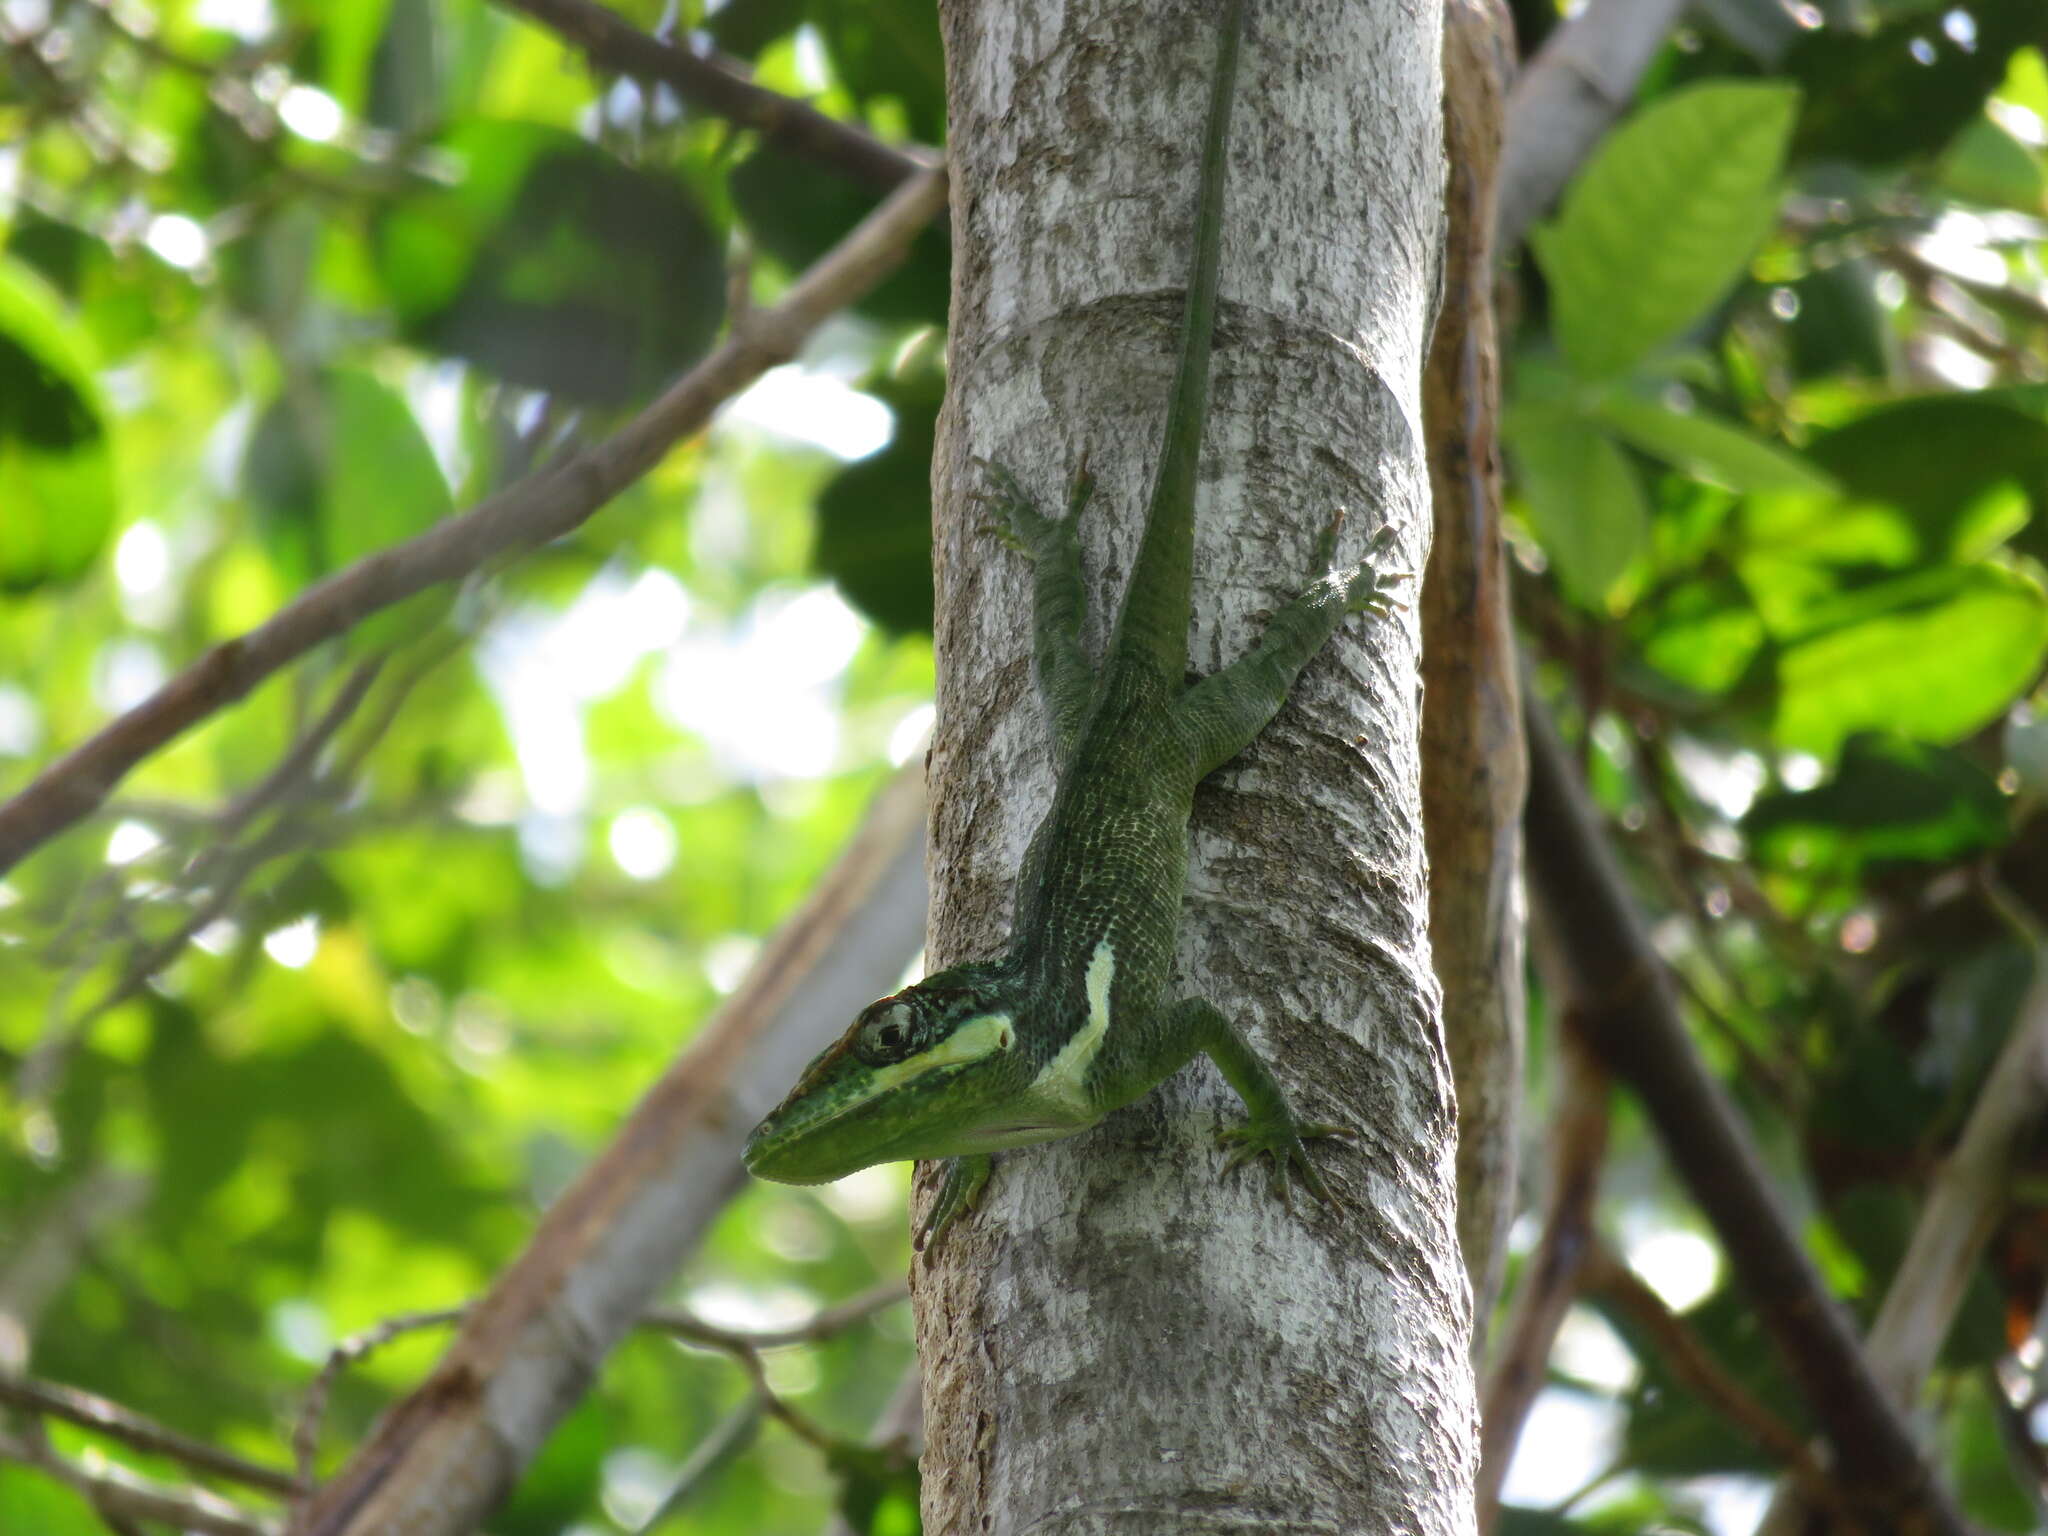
1059, 599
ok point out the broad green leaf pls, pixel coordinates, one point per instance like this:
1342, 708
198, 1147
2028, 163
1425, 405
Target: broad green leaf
1584, 500
1703, 635
1712, 449
1663, 221
1890, 799
795, 210
1986, 164
57, 487
1940, 459
553, 265
341, 469
875, 517
1935, 670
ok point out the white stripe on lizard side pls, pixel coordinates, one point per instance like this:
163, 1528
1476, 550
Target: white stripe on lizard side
1061, 1077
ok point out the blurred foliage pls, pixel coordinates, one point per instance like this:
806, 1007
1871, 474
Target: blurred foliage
281, 284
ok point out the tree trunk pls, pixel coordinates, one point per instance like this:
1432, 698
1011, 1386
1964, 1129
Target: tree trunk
1117, 1340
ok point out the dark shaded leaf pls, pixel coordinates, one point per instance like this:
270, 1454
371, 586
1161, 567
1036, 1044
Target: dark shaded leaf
57, 488
552, 265
1906, 87
1889, 799
796, 210
875, 517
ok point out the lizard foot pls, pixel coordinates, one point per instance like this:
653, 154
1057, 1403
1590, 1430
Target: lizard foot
1366, 586
1017, 522
1282, 1140
965, 1179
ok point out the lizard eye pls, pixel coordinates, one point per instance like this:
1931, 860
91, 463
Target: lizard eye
886, 1036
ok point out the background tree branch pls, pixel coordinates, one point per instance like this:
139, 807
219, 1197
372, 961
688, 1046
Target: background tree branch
543, 506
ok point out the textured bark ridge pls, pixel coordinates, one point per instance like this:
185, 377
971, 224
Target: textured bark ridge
1472, 718
1118, 1341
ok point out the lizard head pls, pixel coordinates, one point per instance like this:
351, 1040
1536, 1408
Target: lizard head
916, 1071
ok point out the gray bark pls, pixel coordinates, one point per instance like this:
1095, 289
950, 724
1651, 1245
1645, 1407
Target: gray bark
1118, 1341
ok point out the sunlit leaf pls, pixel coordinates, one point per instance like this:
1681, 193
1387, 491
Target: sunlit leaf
553, 265
57, 488
1716, 450
1662, 221
1934, 669
1585, 501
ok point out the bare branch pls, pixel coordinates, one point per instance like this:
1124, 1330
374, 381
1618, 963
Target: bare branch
545, 505
1550, 1280
1580, 80
145, 1434
1689, 1359
1624, 1002
356, 1347
445, 1454
126, 1498
612, 44
1471, 724
830, 1320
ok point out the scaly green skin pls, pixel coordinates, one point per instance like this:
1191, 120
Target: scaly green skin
1073, 1021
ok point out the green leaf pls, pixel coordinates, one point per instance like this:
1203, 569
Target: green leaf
1940, 459
1988, 165
1711, 449
1889, 800
57, 487
1663, 221
339, 469
875, 517
796, 210
1904, 88
1584, 499
1934, 669
1703, 635
552, 265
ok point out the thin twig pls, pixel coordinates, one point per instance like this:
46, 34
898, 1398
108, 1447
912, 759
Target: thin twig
184, 1509
614, 45
358, 1346
677, 1322
544, 506
1689, 1359
731, 1436
145, 1434
1550, 1280
1629, 1016
825, 1324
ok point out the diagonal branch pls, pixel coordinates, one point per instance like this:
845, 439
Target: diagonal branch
1624, 1004
133, 1500
109, 1418
612, 44
545, 505
526, 1352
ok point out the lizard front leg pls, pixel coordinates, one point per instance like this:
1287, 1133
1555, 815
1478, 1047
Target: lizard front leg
958, 1191
1227, 709
1163, 1043
1059, 601
1271, 1127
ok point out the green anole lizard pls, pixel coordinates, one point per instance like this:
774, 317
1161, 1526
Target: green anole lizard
1073, 1020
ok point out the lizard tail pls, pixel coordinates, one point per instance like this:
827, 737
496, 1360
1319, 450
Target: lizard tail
1154, 622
